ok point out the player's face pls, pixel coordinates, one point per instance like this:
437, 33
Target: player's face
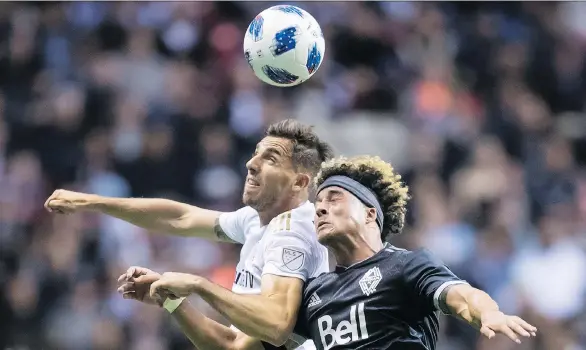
270, 173
337, 214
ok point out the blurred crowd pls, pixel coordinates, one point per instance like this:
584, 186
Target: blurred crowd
479, 105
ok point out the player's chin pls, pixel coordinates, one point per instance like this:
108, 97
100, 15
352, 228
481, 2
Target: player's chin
326, 234
251, 199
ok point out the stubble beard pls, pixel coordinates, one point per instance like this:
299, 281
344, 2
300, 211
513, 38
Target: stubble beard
260, 203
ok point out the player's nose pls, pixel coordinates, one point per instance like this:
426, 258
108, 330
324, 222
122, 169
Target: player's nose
320, 210
252, 165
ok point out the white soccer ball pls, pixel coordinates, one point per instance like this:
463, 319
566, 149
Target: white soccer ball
284, 45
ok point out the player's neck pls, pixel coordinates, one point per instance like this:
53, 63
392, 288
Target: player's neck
267, 215
354, 249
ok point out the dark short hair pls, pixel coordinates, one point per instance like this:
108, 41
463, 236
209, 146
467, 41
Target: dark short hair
308, 150
378, 176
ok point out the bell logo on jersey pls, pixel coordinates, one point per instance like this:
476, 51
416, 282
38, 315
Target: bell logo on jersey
346, 331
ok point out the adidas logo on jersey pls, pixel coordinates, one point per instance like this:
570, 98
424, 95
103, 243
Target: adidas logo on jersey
346, 331
370, 280
314, 300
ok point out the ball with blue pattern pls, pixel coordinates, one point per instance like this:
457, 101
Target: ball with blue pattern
284, 45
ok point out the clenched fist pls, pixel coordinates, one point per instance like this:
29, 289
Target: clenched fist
174, 284
136, 283
66, 202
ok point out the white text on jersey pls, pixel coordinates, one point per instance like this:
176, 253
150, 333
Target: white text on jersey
346, 331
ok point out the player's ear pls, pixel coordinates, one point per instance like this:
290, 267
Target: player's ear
370, 215
301, 181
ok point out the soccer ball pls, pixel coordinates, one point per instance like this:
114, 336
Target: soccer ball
284, 45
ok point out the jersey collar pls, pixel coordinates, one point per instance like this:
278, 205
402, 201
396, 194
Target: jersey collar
340, 269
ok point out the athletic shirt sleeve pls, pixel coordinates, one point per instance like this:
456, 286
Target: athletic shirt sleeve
428, 277
234, 224
288, 254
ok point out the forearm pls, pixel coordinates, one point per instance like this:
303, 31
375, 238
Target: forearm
155, 214
256, 315
206, 333
470, 304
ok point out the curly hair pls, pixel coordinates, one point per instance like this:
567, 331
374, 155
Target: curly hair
380, 177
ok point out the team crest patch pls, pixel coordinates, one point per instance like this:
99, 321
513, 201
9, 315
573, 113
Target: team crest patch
293, 259
370, 280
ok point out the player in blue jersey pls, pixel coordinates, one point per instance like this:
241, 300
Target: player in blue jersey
380, 296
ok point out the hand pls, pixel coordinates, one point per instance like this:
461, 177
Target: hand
174, 284
66, 202
512, 326
135, 284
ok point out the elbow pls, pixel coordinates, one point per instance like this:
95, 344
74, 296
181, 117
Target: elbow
280, 334
184, 225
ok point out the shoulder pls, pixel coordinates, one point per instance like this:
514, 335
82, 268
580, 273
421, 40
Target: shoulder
410, 256
314, 283
401, 255
408, 260
247, 213
293, 233
298, 220
236, 225
242, 215
304, 212
320, 279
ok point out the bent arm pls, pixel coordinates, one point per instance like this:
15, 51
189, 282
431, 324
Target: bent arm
206, 333
466, 303
270, 316
161, 215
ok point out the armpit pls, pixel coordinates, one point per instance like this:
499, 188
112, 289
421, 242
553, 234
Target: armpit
220, 234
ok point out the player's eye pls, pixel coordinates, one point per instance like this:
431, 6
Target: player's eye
336, 197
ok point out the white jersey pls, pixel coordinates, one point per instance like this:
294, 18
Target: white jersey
287, 246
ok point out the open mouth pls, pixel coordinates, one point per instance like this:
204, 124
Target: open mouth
321, 223
252, 182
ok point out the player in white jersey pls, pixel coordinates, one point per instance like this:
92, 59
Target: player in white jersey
280, 249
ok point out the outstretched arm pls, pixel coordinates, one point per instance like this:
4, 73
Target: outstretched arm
155, 214
439, 288
269, 317
206, 333
202, 331
482, 312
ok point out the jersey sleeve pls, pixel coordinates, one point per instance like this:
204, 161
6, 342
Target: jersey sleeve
428, 277
300, 331
288, 254
294, 342
234, 223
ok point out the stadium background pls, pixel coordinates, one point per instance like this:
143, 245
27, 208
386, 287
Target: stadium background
480, 106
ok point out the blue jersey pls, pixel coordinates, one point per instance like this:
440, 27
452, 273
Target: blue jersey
389, 301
